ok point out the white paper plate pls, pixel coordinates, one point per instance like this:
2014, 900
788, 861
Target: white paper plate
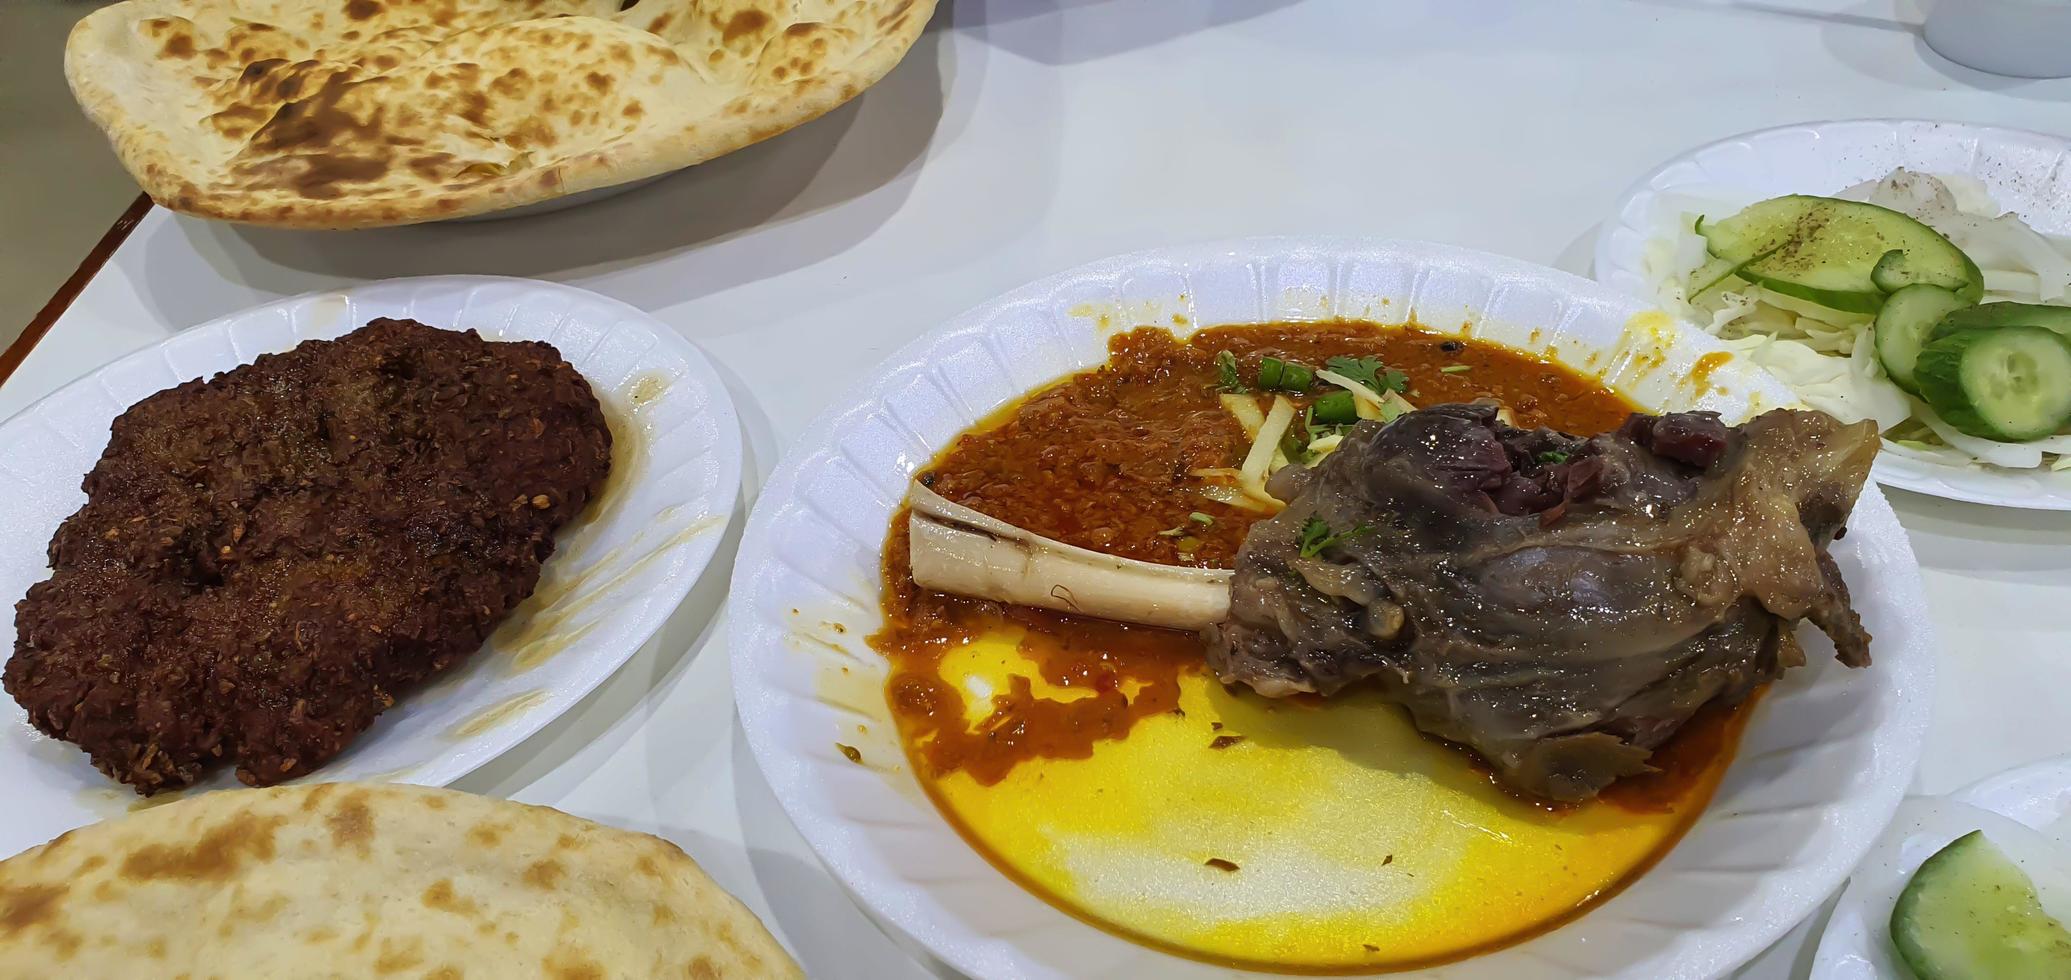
2028, 173
1856, 944
1823, 763
619, 573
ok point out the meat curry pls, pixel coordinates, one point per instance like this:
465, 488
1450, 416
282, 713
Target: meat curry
1110, 459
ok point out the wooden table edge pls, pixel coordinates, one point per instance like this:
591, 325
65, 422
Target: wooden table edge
60, 301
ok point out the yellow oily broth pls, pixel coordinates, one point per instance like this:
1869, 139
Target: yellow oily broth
1359, 844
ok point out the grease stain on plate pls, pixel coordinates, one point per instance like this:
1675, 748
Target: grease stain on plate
1700, 376
396, 775
112, 801
545, 624
625, 414
330, 314
1113, 317
496, 714
645, 390
1651, 329
854, 687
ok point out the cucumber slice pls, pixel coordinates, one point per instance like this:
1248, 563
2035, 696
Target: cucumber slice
1905, 322
2009, 384
1994, 315
1827, 251
1898, 268
1713, 272
1969, 914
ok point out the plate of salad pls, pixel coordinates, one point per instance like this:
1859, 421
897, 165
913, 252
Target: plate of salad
1915, 273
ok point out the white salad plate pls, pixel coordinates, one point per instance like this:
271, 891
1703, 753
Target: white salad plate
2032, 802
1823, 763
2027, 173
616, 575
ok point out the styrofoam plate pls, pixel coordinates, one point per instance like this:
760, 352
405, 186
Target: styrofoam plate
1825, 758
2028, 174
1857, 941
616, 575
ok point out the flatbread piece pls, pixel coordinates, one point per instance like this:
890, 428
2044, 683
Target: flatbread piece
359, 113
363, 880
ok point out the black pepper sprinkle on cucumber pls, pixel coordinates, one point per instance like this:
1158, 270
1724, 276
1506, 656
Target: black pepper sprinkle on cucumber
1843, 255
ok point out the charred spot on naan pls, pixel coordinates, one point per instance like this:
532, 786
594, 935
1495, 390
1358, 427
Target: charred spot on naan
352, 823
23, 908
399, 955
572, 964
442, 896
218, 854
488, 833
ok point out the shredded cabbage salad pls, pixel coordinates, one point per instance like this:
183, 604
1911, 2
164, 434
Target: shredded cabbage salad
1826, 356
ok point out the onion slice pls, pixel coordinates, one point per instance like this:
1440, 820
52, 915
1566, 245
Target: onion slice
1265, 446
1245, 409
1371, 404
2012, 455
958, 550
1233, 497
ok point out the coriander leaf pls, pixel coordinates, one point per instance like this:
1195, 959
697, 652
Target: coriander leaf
1316, 536
1314, 533
1360, 369
1553, 456
1227, 378
1371, 372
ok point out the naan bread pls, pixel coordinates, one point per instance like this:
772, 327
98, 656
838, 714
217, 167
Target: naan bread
364, 880
357, 113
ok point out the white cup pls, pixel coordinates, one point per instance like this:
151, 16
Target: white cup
2022, 38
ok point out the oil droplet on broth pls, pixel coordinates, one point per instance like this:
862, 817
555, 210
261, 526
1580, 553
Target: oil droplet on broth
1358, 843
496, 714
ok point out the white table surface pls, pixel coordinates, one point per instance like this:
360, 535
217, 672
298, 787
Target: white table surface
1021, 137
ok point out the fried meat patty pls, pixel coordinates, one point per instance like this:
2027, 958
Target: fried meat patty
266, 560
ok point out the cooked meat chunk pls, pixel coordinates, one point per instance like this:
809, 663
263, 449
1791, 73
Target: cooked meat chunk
1560, 605
266, 560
